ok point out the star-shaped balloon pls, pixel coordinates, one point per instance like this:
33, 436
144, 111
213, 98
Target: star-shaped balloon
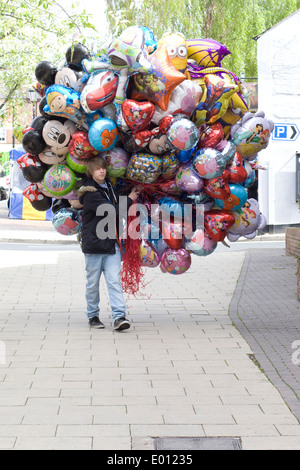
158, 85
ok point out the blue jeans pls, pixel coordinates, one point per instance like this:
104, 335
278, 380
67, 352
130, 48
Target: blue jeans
110, 265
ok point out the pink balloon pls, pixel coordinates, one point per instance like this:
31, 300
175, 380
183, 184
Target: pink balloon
148, 255
176, 261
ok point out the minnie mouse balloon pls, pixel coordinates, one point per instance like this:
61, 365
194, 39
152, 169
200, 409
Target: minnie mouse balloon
176, 261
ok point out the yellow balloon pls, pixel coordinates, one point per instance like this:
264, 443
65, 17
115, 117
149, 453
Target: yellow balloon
215, 99
176, 46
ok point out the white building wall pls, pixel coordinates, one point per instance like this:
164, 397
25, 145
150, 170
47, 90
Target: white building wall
278, 59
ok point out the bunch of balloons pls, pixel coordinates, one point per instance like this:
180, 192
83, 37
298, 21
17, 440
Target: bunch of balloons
166, 116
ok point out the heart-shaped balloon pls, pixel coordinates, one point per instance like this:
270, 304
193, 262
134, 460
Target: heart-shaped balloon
176, 261
217, 223
237, 172
172, 233
137, 114
211, 136
218, 188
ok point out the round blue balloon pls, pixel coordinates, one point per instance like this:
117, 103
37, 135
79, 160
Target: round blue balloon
103, 134
236, 200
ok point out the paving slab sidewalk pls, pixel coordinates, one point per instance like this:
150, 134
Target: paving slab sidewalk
183, 369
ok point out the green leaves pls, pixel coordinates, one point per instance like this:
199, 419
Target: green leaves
31, 31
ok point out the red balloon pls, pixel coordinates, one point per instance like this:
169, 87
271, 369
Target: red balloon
237, 172
218, 188
217, 223
80, 146
211, 136
172, 234
137, 114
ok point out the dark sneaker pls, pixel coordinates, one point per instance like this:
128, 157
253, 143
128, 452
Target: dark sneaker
121, 324
96, 323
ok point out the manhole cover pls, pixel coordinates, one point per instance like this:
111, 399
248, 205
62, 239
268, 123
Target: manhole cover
197, 443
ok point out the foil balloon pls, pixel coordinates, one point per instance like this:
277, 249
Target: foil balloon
144, 168
148, 256
209, 163
117, 161
57, 136
76, 164
158, 85
176, 47
150, 41
252, 134
217, 223
172, 233
69, 78
171, 206
67, 221
33, 170
59, 180
80, 146
45, 73
159, 245
236, 199
236, 170
247, 221
37, 199
50, 158
176, 261
188, 180
218, 188
99, 91
211, 136
206, 52
183, 134
103, 134
137, 115
215, 99
184, 99
200, 244
126, 56
170, 165
65, 102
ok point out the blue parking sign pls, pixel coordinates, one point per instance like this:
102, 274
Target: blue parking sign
286, 132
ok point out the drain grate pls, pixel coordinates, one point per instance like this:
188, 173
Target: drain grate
197, 443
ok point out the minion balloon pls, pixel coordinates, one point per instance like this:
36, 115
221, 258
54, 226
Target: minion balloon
177, 50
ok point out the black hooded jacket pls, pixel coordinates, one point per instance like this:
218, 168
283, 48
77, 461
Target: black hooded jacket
91, 196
